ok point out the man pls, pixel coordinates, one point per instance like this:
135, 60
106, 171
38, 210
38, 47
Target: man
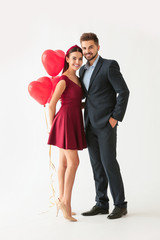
106, 100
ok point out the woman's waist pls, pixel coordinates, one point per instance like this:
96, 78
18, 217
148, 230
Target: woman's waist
71, 104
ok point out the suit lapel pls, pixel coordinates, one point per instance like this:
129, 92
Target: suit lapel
99, 64
82, 73
81, 78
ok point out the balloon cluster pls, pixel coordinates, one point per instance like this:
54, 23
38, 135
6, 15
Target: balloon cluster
42, 89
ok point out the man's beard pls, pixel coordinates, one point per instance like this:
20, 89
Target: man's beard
92, 57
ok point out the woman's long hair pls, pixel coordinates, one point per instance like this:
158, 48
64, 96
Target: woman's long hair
74, 49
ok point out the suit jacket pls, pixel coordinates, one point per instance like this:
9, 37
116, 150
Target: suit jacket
107, 94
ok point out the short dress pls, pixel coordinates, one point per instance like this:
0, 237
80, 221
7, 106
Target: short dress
67, 129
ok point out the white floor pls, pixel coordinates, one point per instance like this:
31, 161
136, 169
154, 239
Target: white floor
137, 225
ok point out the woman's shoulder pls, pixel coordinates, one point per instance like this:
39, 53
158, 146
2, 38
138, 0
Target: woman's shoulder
64, 77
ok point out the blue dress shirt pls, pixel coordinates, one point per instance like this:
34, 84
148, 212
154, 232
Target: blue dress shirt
88, 72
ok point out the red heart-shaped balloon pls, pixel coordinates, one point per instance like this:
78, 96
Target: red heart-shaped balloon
53, 61
41, 89
54, 81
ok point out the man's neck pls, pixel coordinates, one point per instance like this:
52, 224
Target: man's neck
93, 60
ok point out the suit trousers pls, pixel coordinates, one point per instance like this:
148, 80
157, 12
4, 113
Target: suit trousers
102, 151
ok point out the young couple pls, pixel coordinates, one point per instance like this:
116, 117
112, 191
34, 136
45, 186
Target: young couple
106, 96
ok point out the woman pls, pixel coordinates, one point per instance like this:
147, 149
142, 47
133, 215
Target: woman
67, 130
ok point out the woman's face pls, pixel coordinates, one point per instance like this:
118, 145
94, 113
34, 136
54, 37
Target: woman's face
75, 60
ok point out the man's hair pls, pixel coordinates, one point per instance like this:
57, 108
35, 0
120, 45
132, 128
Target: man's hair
89, 36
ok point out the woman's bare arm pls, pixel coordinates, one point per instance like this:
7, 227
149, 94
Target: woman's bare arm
61, 85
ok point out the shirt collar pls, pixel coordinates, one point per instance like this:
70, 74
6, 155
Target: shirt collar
94, 64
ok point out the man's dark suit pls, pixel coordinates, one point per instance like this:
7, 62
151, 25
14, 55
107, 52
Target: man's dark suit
107, 96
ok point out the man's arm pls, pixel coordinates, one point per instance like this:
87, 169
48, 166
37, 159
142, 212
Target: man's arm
118, 83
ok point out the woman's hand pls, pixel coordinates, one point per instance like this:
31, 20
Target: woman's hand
83, 104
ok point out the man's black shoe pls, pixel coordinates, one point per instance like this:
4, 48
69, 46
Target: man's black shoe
95, 210
117, 213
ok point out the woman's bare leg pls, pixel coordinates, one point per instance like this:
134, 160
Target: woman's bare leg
61, 172
72, 165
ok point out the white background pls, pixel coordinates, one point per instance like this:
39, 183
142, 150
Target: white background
129, 33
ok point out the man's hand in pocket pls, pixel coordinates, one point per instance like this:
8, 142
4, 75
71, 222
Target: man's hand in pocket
112, 122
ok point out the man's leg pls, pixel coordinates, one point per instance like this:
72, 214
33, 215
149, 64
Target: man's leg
107, 138
101, 181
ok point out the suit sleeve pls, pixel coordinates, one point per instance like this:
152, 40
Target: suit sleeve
118, 83
80, 72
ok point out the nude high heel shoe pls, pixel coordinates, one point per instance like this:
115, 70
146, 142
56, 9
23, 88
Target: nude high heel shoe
64, 211
58, 207
65, 214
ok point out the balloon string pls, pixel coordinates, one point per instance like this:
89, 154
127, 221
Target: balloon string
46, 118
51, 165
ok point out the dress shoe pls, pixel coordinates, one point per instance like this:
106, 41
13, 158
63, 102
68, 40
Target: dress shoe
95, 210
117, 213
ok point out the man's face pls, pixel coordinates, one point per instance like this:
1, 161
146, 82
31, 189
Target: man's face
90, 49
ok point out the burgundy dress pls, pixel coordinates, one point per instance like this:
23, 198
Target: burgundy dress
67, 129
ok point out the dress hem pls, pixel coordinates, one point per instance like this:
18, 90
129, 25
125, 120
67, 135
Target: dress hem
66, 148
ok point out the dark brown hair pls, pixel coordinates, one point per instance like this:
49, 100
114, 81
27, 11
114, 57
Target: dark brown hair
89, 36
66, 65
